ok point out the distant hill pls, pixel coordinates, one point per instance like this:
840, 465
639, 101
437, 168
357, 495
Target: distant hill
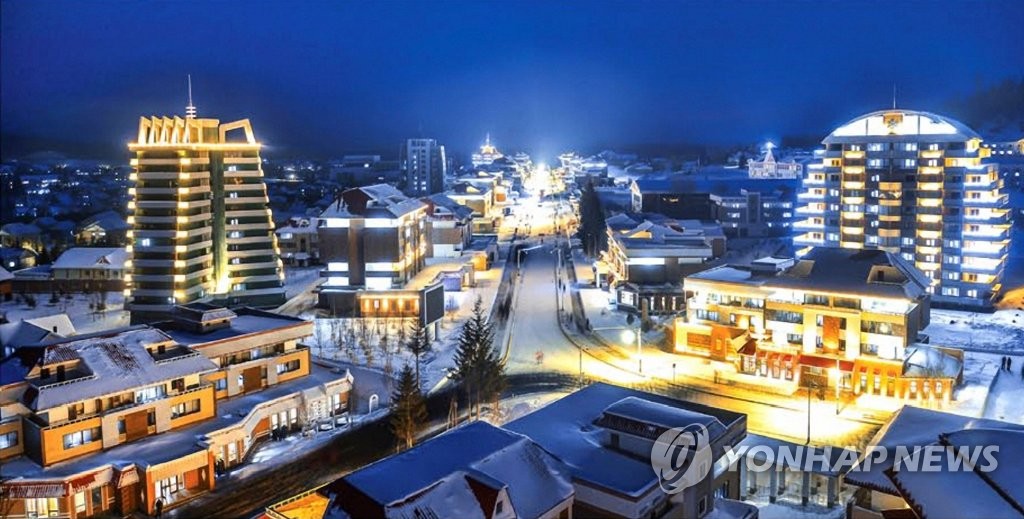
995, 111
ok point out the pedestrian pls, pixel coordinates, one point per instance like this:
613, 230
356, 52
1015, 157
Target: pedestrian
1002, 363
1009, 364
159, 507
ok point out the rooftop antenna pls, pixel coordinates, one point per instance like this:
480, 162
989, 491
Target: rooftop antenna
190, 110
894, 96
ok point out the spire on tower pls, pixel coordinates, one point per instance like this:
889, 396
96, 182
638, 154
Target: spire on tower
894, 96
190, 110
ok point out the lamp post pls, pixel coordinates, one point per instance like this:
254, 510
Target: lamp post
838, 374
581, 348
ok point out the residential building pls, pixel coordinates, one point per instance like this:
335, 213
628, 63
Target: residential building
201, 223
835, 316
299, 241
914, 184
111, 421
22, 235
15, 258
477, 470
90, 268
33, 331
478, 195
450, 227
425, 167
587, 454
751, 214
6, 290
374, 241
605, 435
104, 229
768, 167
487, 154
674, 196
647, 259
893, 487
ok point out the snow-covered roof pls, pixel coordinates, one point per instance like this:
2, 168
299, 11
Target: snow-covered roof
929, 362
245, 321
111, 362
21, 229
912, 427
35, 330
833, 270
382, 200
566, 429
645, 411
438, 477
107, 258
107, 220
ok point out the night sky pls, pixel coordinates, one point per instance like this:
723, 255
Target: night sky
325, 79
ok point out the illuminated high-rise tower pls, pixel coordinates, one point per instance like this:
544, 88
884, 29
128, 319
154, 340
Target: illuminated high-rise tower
912, 183
201, 227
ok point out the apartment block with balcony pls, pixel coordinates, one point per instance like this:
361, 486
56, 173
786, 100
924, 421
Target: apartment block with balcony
109, 422
648, 255
914, 184
299, 241
751, 213
851, 317
201, 227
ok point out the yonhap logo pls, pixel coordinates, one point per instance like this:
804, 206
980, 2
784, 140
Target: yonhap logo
681, 457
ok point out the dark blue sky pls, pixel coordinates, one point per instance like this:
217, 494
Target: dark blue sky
333, 77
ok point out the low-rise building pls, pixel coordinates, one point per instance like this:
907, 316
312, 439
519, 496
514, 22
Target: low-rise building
112, 421
474, 471
104, 229
450, 227
768, 167
605, 435
479, 196
836, 316
90, 268
299, 240
674, 196
585, 455
898, 486
647, 259
22, 235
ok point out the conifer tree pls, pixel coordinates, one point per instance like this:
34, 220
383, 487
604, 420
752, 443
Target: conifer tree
419, 344
408, 409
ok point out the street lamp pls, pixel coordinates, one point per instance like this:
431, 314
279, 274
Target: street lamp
627, 337
835, 372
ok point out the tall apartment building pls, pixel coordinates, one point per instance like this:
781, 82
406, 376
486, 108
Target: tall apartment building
912, 183
423, 162
201, 227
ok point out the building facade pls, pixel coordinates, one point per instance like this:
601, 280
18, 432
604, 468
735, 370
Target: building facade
425, 167
647, 260
914, 184
201, 226
835, 316
754, 214
768, 167
108, 423
300, 241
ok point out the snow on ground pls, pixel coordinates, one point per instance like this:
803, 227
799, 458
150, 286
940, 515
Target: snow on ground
1006, 399
1001, 331
84, 318
332, 338
300, 279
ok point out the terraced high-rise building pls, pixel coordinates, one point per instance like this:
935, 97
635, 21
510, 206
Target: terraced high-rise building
916, 184
201, 226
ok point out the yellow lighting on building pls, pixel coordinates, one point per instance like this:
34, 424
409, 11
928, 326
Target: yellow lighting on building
179, 263
182, 219
929, 218
182, 205
185, 161
184, 175
179, 278
180, 248
183, 190
127, 277
181, 234
128, 248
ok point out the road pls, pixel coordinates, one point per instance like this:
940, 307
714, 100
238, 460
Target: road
538, 345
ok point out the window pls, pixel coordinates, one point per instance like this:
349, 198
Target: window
82, 437
170, 486
795, 338
80, 503
120, 426
499, 508
42, 507
97, 499
8, 440
150, 393
702, 506
185, 408
221, 384
292, 365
